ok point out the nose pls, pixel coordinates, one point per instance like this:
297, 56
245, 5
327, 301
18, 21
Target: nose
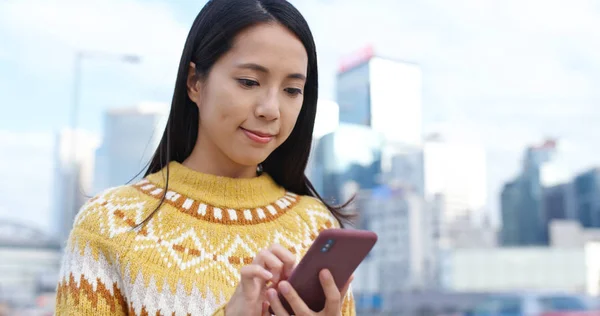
268, 107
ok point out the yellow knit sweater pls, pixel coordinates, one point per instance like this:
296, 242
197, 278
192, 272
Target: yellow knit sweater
186, 259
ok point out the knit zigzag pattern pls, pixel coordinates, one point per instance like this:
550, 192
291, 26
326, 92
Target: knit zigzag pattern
186, 259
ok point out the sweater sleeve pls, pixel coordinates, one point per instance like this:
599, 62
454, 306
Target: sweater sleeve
89, 282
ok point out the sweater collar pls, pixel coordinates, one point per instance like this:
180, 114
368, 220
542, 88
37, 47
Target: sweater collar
235, 193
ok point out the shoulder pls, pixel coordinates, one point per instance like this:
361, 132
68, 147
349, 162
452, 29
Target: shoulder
113, 212
316, 210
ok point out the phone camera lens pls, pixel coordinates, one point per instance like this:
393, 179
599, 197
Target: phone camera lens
324, 249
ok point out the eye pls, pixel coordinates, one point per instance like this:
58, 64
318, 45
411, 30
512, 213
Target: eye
248, 83
293, 91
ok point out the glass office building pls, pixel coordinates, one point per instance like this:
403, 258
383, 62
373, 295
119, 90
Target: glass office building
131, 135
385, 95
351, 154
587, 197
522, 205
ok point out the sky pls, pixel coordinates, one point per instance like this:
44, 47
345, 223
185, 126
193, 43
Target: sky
503, 74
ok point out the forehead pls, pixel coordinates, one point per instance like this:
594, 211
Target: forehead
270, 45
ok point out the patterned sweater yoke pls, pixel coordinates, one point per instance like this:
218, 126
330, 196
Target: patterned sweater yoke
186, 259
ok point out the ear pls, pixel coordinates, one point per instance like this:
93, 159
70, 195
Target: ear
193, 84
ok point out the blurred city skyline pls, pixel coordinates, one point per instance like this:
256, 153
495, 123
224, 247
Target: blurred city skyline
503, 74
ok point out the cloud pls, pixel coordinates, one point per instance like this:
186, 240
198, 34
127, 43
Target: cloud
46, 34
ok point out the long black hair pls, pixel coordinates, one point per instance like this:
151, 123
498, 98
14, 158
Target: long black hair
210, 37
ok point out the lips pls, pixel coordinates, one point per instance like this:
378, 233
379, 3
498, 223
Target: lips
259, 133
257, 136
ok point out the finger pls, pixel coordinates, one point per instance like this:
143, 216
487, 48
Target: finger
275, 303
286, 256
332, 294
270, 261
265, 309
252, 271
344, 290
249, 273
291, 296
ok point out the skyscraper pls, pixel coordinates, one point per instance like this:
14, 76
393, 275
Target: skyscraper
522, 200
510, 198
73, 176
558, 204
382, 94
351, 154
131, 135
587, 197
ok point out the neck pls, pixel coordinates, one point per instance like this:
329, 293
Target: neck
214, 162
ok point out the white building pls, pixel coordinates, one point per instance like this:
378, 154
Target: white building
405, 256
516, 269
464, 233
592, 268
131, 135
458, 173
327, 119
396, 100
570, 234
403, 165
73, 177
383, 94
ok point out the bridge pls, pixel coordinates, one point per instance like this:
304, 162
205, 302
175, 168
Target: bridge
18, 235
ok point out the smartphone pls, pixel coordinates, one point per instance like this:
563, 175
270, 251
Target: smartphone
338, 250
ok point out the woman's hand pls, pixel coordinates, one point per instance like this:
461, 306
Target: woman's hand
270, 265
333, 303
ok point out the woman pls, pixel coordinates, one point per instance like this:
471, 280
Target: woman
225, 211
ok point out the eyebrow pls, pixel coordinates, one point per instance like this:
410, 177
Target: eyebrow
263, 69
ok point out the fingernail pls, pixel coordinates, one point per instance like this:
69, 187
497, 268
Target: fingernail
284, 287
268, 275
272, 294
326, 275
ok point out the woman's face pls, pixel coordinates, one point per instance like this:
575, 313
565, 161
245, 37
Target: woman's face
250, 101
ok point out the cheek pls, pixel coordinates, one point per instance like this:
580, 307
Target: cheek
222, 109
289, 118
